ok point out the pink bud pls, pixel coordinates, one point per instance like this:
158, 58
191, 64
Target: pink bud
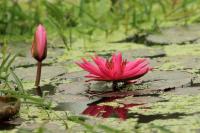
39, 45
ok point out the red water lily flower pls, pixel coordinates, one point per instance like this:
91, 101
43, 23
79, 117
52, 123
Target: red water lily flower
116, 69
39, 45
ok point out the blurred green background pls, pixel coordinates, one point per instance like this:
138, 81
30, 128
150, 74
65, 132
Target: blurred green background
93, 19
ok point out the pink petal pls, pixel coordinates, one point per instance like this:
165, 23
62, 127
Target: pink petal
41, 40
133, 64
39, 44
132, 72
91, 68
101, 63
94, 77
142, 72
117, 69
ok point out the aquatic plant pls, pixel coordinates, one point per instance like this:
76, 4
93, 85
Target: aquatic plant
39, 52
116, 69
5, 67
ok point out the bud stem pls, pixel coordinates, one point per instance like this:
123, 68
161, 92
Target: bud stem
37, 81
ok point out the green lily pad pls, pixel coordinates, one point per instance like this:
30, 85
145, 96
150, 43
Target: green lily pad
144, 53
72, 88
139, 100
45, 127
73, 76
155, 80
48, 72
175, 35
186, 91
161, 80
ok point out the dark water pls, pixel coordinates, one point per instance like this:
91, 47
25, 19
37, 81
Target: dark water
92, 108
6, 126
11, 123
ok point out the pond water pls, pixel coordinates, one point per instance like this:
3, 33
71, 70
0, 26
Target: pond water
100, 107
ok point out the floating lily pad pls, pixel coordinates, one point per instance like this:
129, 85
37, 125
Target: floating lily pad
76, 107
53, 127
72, 88
9, 107
60, 98
48, 72
191, 62
161, 80
186, 91
25, 59
46, 127
181, 62
151, 82
156, 55
75, 103
139, 100
175, 35
26, 62
73, 76
144, 53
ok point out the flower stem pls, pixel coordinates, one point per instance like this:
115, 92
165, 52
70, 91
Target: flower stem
115, 86
37, 81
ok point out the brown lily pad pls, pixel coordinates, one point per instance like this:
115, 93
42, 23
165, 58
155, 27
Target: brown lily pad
10, 106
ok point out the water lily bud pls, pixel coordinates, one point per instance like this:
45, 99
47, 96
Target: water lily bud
39, 45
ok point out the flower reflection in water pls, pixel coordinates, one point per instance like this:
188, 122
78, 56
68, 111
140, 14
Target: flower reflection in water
102, 108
